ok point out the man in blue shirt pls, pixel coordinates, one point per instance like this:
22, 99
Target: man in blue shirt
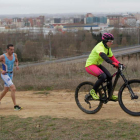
8, 59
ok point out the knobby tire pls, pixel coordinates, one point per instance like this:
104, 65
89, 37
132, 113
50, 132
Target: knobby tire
81, 91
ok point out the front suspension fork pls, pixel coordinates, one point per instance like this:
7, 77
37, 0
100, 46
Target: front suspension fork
133, 96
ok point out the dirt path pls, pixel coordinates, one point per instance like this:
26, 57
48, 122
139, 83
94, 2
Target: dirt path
59, 104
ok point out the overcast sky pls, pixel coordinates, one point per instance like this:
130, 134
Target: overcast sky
67, 6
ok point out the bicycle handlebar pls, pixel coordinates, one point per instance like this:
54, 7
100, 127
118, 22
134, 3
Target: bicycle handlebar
121, 67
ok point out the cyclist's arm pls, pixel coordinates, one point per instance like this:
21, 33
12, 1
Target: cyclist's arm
104, 56
114, 59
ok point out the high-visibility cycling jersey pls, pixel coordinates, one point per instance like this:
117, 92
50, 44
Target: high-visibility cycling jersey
94, 57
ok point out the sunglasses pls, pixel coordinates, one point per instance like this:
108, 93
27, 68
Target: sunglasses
111, 41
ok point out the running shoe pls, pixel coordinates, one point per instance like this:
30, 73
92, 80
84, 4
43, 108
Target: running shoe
17, 107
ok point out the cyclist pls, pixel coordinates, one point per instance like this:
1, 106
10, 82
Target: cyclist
102, 51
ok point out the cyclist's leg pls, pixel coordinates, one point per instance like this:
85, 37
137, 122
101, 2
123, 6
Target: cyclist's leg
109, 78
96, 71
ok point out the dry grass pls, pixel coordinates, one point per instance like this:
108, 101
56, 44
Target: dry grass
65, 75
47, 128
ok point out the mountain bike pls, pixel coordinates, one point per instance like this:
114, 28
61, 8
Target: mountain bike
128, 95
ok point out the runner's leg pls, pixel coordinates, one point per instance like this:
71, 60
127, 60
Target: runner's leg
6, 89
13, 89
7, 78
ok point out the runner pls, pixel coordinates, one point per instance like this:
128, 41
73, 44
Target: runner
8, 59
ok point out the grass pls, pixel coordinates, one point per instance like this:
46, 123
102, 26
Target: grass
65, 75
48, 128
41, 92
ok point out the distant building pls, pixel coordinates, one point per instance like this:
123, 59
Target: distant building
6, 22
137, 16
76, 20
70, 20
57, 20
138, 23
42, 20
32, 22
121, 20
26, 22
18, 22
89, 15
89, 20
103, 20
0, 23
130, 21
114, 20
96, 19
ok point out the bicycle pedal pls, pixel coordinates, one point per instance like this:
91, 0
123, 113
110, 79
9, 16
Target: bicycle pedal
103, 99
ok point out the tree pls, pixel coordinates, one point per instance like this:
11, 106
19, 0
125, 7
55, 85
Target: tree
91, 30
33, 51
1, 52
97, 37
124, 41
19, 54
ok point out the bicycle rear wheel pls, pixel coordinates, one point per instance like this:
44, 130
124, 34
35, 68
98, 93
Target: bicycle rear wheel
129, 105
84, 100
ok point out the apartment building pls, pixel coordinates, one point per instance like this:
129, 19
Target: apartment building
114, 20
121, 20
89, 15
18, 22
95, 20
130, 21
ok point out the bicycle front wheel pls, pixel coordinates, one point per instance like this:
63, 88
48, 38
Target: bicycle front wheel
127, 103
84, 100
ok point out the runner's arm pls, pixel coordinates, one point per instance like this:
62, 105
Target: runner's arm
3, 61
1, 58
0, 61
16, 61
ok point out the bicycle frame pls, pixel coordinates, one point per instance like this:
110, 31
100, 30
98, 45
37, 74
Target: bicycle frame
117, 74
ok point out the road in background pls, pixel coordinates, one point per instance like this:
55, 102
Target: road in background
116, 52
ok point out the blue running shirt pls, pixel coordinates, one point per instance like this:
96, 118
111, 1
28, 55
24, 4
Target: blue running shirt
9, 64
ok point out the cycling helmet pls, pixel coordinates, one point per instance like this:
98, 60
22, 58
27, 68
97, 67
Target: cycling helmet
107, 36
